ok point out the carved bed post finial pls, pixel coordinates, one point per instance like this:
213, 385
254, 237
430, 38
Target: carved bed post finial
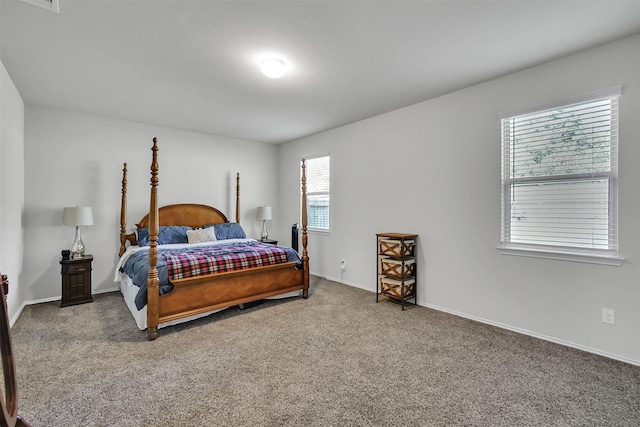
238, 197
123, 211
153, 296
305, 254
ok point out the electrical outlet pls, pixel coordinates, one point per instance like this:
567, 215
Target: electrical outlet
343, 265
608, 316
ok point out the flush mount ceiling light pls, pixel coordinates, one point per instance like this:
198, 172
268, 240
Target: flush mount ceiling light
273, 68
52, 5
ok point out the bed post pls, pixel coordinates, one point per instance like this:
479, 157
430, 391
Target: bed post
153, 296
123, 211
238, 197
305, 255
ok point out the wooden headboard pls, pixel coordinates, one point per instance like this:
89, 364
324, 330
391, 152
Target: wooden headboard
190, 214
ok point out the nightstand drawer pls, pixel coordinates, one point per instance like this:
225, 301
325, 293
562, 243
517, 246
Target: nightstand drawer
79, 266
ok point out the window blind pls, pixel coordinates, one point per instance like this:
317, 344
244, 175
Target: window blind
559, 176
318, 192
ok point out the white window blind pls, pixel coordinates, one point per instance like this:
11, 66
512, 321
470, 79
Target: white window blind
559, 177
318, 171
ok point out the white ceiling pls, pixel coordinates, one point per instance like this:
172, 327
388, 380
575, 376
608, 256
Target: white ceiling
194, 65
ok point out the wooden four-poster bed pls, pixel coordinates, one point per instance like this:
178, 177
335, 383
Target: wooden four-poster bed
205, 291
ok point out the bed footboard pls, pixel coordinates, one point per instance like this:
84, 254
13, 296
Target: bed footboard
197, 295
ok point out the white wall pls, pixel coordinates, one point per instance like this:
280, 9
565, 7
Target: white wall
77, 159
11, 189
434, 169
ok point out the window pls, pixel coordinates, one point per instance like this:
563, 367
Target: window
559, 178
318, 171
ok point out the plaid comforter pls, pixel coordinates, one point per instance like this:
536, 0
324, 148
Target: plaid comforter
209, 260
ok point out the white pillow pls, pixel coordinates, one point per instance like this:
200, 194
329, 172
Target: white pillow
201, 235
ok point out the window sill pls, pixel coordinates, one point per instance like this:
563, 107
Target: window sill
591, 258
316, 231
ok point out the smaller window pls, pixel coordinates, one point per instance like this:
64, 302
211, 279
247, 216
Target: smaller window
318, 173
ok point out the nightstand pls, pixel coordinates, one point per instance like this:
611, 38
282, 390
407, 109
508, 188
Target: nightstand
76, 281
269, 241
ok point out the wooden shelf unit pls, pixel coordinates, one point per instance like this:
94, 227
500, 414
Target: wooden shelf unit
396, 267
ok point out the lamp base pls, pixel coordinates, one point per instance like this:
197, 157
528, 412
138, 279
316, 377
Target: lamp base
264, 235
77, 249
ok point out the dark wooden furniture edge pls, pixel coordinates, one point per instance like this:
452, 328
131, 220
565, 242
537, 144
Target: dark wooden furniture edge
9, 403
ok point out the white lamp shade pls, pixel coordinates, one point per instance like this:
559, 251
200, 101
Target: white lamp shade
77, 216
264, 213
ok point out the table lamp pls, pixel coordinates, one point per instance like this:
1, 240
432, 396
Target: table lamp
77, 216
264, 213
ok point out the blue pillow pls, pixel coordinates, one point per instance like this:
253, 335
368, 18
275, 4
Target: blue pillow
228, 230
167, 234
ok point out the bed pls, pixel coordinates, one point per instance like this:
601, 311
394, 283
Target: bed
215, 282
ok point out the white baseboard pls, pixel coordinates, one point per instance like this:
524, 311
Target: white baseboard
508, 327
50, 299
434, 307
106, 291
339, 280
13, 320
535, 335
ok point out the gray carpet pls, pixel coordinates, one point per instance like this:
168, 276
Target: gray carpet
336, 359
